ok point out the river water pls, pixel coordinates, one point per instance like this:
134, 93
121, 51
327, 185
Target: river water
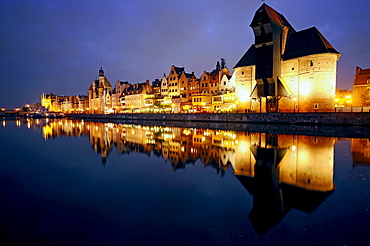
74, 182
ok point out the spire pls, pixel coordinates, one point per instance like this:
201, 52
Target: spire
223, 63
218, 66
101, 71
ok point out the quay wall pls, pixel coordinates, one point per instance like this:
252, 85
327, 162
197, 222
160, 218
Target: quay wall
260, 118
339, 125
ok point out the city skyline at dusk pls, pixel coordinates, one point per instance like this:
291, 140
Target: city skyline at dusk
52, 46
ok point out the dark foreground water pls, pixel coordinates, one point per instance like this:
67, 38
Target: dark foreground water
67, 182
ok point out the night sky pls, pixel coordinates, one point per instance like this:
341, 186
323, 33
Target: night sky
58, 46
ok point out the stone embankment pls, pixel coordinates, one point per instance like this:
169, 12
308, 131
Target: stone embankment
348, 119
354, 125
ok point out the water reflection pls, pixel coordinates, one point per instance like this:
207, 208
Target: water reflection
281, 172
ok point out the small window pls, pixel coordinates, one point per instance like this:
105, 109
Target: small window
316, 106
311, 63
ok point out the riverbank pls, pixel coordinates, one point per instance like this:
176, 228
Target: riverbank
348, 119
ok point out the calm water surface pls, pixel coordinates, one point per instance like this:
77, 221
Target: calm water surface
66, 182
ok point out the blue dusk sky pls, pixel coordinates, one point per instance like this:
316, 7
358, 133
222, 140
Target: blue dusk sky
58, 46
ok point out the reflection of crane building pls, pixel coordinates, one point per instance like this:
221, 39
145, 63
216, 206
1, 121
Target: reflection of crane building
284, 172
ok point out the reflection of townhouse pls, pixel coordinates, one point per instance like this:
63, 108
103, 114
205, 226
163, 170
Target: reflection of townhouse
185, 148
138, 139
174, 154
222, 152
360, 150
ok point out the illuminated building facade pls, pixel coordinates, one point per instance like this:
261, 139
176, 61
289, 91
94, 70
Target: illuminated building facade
48, 101
361, 88
285, 70
119, 102
100, 95
136, 95
343, 98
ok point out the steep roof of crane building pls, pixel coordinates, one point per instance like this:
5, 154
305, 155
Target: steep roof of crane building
248, 58
266, 14
307, 42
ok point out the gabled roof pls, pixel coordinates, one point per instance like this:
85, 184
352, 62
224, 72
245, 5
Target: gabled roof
179, 70
307, 42
266, 14
189, 75
248, 59
215, 71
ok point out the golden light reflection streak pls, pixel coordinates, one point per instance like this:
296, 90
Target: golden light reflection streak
4, 123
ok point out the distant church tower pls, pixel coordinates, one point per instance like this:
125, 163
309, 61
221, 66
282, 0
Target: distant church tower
100, 94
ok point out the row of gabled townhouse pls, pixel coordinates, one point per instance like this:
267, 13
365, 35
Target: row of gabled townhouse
58, 103
178, 92
284, 70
